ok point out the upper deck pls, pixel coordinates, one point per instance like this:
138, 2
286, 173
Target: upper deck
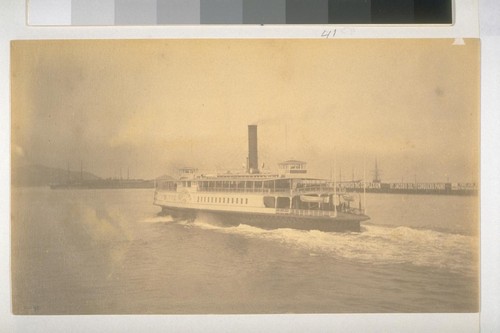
247, 184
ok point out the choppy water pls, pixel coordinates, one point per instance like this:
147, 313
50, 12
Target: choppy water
107, 251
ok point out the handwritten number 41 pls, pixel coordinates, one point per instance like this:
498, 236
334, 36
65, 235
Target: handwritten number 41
329, 33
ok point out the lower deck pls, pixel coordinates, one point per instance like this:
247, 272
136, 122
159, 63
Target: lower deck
268, 211
325, 204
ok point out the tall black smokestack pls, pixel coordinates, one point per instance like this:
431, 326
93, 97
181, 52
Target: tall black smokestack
253, 160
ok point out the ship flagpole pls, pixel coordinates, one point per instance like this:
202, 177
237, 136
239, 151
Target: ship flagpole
364, 184
334, 190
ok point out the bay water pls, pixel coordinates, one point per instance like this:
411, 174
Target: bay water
109, 252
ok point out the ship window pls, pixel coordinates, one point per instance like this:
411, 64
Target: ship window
269, 202
283, 202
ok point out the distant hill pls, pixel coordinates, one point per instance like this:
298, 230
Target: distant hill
40, 175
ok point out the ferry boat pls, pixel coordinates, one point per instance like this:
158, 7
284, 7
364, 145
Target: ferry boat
286, 199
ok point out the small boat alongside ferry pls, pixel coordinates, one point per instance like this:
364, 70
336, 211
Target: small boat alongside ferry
286, 199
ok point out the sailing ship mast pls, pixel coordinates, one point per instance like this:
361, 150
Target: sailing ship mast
364, 184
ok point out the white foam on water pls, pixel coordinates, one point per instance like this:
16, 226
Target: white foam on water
206, 221
158, 219
374, 245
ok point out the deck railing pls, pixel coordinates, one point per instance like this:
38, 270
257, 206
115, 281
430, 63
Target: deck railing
316, 212
314, 188
355, 211
243, 190
304, 212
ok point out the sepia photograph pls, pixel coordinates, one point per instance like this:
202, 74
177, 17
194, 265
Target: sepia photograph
258, 176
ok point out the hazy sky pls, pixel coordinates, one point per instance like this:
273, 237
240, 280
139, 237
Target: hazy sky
154, 105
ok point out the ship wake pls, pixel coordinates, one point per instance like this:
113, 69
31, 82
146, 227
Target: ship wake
375, 245
160, 219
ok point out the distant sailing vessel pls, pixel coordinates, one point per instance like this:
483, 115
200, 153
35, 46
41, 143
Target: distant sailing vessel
99, 183
287, 199
106, 184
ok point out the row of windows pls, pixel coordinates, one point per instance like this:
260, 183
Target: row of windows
223, 200
233, 185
